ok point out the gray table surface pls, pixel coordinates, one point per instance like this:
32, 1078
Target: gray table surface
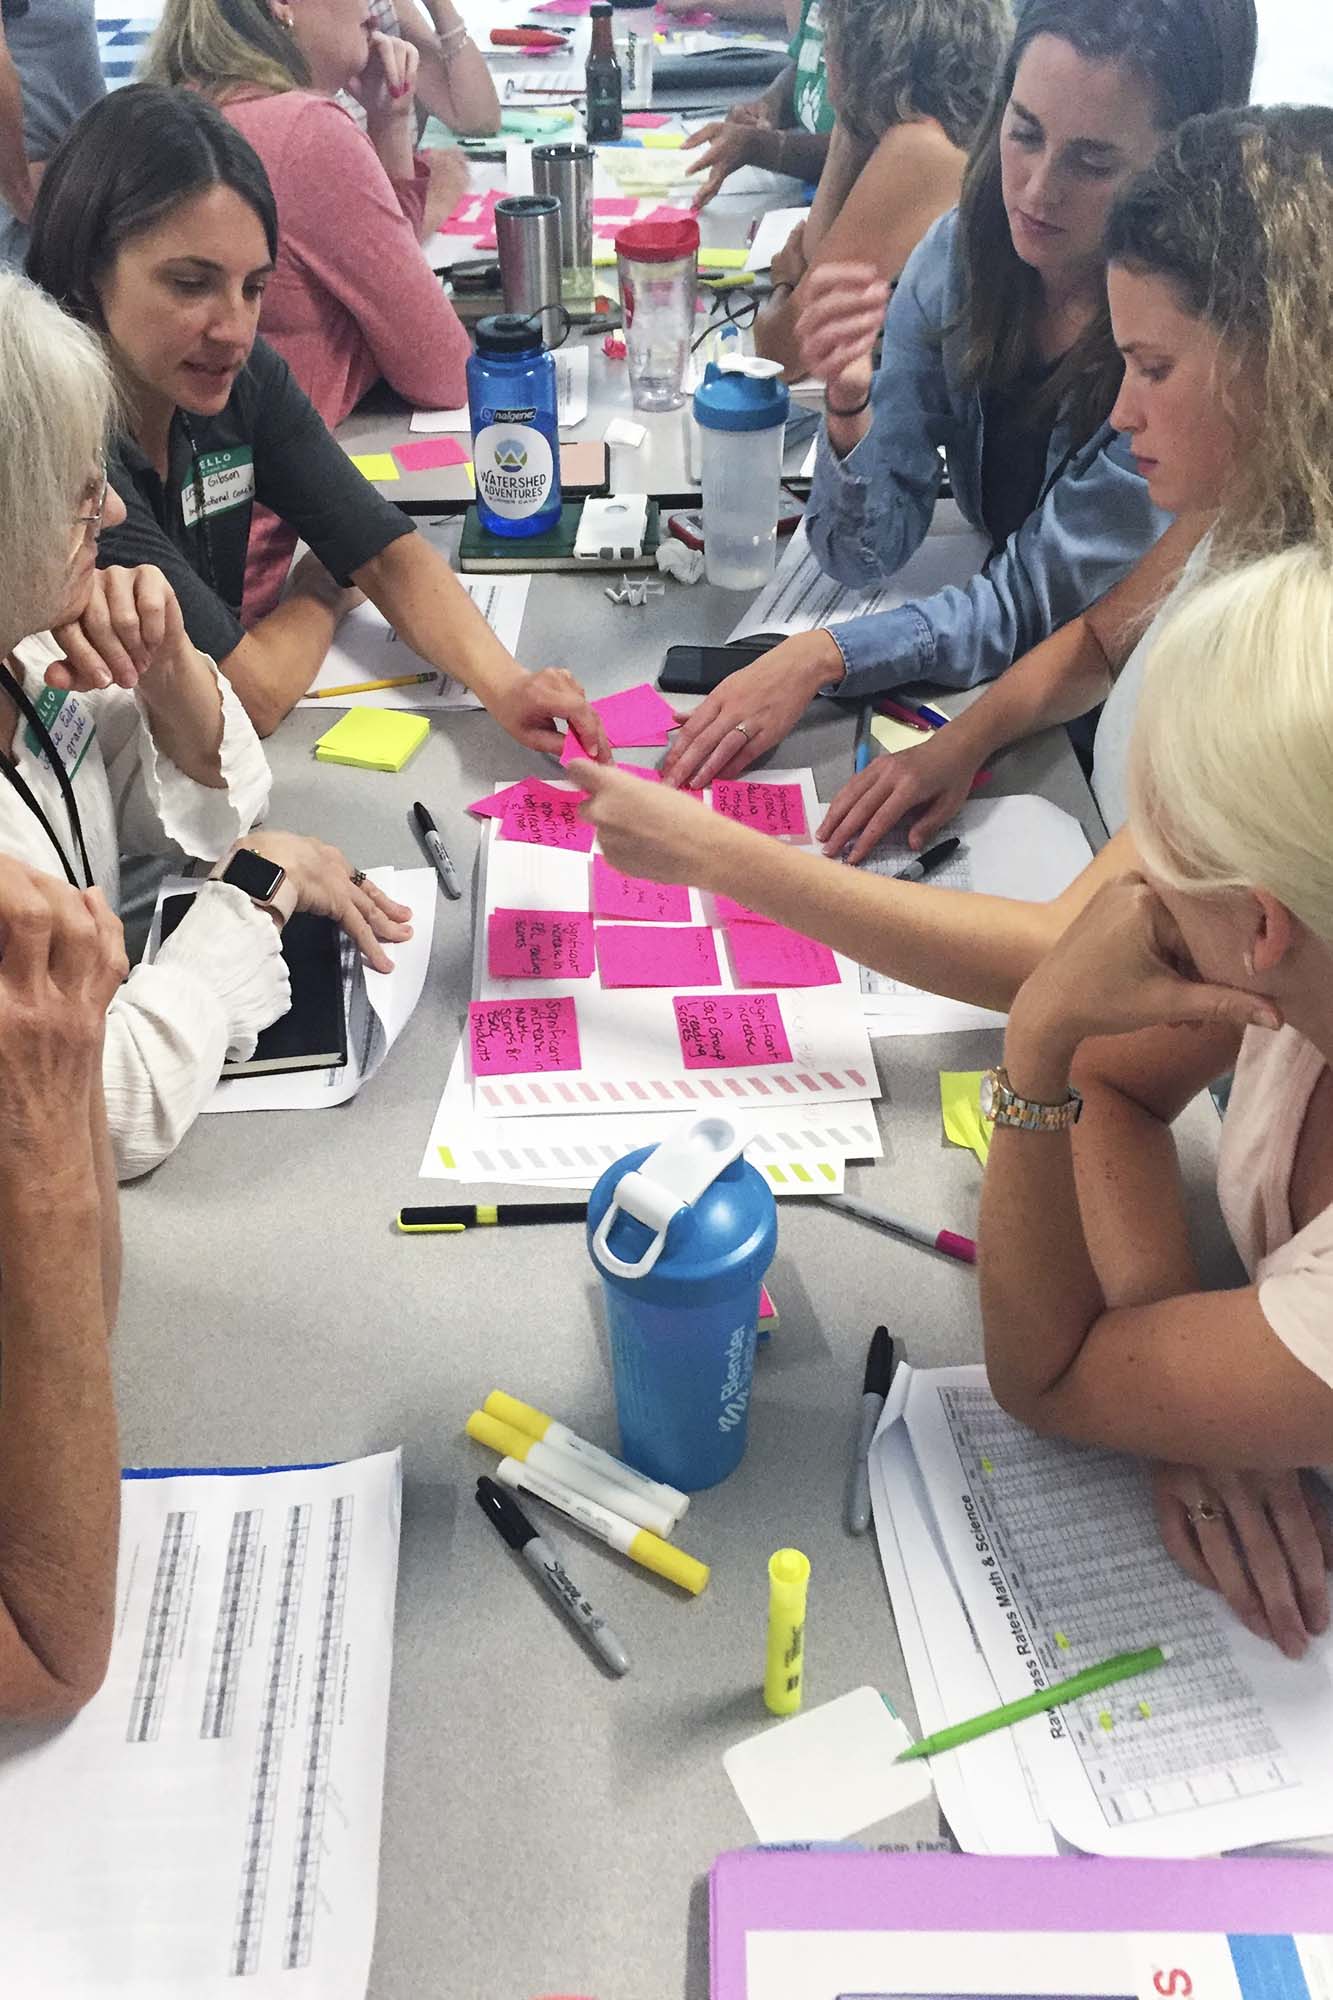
545, 1829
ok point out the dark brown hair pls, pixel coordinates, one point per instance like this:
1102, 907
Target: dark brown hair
903, 59
1193, 56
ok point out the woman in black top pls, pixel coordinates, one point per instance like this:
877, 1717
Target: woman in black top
156, 226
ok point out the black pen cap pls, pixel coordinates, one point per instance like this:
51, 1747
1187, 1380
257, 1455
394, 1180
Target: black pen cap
503, 1512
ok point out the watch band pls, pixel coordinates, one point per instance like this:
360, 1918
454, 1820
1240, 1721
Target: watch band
1001, 1103
280, 899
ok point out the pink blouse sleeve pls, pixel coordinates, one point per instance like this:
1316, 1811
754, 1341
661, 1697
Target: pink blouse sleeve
355, 230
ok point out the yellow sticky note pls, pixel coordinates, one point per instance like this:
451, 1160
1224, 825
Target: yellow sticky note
960, 1104
891, 735
471, 472
376, 464
722, 259
375, 739
662, 141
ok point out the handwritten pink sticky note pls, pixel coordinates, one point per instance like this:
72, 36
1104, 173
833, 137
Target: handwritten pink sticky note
571, 748
424, 454
523, 1037
730, 1030
494, 804
771, 955
628, 955
545, 817
631, 896
645, 121
539, 944
636, 716
729, 912
473, 212
772, 808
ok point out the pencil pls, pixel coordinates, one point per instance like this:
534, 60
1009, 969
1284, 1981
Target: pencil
369, 687
1121, 1668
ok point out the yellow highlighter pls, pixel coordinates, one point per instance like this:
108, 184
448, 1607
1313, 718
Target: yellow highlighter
648, 1550
788, 1582
576, 1474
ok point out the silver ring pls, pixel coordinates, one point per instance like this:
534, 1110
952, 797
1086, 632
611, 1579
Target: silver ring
358, 877
744, 731
1205, 1511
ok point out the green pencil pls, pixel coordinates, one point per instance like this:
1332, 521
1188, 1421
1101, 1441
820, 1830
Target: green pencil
1122, 1668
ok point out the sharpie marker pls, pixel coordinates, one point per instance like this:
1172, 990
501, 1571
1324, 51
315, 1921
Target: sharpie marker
880, 1363
437, 851
508, 1519
925, 864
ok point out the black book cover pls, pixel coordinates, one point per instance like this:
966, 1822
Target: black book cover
312, 1034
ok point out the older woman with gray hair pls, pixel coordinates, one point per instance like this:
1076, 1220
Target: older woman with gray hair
118, 738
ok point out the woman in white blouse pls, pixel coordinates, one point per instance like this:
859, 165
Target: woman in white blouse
118, 738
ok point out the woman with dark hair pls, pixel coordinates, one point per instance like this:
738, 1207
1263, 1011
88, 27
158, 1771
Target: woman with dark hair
910, 81
997, 354
155, 226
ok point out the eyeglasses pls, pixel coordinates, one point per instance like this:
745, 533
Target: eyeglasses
82, 522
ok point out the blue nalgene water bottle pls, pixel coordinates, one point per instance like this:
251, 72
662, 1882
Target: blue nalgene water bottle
682, 1235
515, 426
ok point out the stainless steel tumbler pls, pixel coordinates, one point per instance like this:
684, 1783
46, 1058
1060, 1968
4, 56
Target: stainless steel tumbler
565, 171
527, 236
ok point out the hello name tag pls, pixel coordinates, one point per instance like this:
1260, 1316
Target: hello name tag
69, 724
223, 479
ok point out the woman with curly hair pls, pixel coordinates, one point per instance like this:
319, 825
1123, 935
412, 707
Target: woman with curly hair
909, 81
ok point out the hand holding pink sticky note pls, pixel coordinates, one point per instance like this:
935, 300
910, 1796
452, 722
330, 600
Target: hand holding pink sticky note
636, 716
771, 955
523, 1037
730, 1030
545, 816
539, 944
777, 809
633, 897
629, 955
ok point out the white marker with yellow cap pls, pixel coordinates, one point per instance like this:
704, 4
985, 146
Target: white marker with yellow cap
571, 1472
559, 1437
648, 1550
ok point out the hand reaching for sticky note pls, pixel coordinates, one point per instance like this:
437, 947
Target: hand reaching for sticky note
531, 704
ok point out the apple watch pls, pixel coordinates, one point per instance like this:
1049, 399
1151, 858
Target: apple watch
259, 878
1001, 1103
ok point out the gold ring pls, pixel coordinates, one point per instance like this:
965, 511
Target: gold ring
1205, 1511
744, 731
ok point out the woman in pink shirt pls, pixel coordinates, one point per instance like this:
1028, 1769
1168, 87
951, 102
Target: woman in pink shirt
352, 298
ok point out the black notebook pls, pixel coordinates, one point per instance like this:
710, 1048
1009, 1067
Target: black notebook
312, 1034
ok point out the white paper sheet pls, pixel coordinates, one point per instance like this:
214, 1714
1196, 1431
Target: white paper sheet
209, 1825
571, 386
803, 1154
630, 1050
771, 235
379, 1005
800, 597
1059, 1563
1021, 847
828, 1773
367, 648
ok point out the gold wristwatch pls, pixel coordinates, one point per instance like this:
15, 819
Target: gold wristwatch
1001, 1103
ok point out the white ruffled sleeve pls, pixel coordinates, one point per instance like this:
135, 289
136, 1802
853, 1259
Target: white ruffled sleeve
216, 982
157, 807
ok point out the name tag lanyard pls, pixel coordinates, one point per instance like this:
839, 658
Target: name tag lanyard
204, 534
26, 793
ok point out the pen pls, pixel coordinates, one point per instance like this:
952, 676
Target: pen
507, 1517
438, 852
369, 687
925, 864
641, 1546
880, 1364
915, 714
486, 1215
1122, 1668
961, 1247
865, 746
527, 38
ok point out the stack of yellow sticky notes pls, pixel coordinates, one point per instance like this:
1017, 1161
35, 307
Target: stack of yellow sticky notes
375, 739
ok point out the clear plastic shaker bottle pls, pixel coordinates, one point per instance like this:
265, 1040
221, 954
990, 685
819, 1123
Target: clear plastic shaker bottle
741, 409
659, 274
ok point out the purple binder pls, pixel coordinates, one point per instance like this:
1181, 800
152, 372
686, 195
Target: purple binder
759, 1889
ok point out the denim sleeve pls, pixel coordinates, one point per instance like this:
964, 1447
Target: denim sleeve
870, 511
1091, 528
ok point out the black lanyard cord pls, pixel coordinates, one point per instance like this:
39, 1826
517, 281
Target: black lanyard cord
25, 791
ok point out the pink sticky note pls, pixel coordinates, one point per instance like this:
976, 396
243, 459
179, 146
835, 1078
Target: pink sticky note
561, 7
539, 944
665, 213
546, 817
617, 895
637, 716
628, 955
571, 747
473, 212
645, 121
771, 955
424, 454
730, 1030
775, 809
624, 207
522, 1037
727, 911
493, 806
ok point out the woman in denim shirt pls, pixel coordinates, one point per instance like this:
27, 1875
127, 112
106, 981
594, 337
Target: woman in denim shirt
997, 352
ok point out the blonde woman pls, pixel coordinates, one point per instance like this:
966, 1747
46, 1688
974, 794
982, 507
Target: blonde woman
1097, 1328
910, 81
118, 738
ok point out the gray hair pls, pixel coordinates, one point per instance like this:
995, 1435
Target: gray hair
56, 404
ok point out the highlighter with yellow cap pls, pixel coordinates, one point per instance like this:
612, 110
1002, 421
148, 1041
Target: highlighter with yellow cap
788, 1582
646, 1549
559, 1437
571, 1472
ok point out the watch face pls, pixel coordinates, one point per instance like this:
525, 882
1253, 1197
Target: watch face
254, 875
988, 1095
